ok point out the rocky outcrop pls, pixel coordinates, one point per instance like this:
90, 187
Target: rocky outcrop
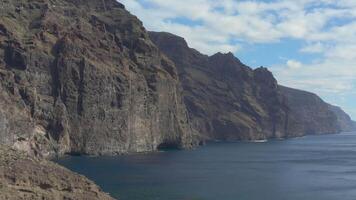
28, 178
228, 100
84, 77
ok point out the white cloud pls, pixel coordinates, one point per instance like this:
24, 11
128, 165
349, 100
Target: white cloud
317, 47
249, 21
293, 64
329, 78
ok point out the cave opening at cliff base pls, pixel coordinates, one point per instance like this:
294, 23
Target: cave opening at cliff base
167, 146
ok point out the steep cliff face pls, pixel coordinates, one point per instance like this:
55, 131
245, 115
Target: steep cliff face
309, 114
28, 178
228, 100
84, 77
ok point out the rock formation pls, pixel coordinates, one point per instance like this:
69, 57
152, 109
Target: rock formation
28, 178
228, 100
84, 77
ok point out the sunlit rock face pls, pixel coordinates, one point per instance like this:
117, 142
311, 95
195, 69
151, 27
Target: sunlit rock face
84, 77
228, 100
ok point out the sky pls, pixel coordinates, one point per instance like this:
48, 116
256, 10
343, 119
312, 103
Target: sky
307, 44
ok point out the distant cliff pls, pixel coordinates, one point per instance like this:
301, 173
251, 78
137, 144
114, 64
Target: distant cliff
84, 77
309, 114
228, 100
344, 120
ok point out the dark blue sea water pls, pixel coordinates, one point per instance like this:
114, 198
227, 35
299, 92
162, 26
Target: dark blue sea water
308, 168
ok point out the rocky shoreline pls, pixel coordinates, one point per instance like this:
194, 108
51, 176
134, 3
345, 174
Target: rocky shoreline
23, 177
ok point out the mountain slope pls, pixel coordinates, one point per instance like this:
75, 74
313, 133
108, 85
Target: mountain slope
84, 77
228, 100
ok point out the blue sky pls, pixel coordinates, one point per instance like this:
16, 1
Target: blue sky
307, 44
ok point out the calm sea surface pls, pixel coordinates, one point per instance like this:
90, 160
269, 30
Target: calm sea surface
308, 168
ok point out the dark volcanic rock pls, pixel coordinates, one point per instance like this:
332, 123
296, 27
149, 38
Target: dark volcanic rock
84, 77
28, 178
228, 100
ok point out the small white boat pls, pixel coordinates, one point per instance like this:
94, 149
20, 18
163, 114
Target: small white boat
259, 141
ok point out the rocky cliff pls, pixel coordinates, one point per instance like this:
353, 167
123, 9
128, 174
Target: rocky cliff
228, 100
28, 178
344, 120
83, 77
309, 114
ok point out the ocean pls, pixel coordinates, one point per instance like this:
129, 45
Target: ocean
307, 168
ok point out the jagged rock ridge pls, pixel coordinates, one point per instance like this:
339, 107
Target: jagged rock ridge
83, 77
228, 100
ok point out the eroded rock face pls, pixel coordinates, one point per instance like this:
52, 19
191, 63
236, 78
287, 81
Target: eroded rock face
28, 178
227, 100
84, 77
